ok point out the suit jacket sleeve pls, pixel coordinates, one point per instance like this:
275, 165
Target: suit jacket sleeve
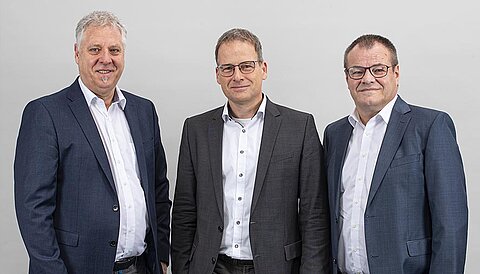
35, 175
184, 220
162, 200
314, 212
446, 189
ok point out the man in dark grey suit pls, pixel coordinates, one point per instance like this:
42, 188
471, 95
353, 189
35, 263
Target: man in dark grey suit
395, 175
91, 191
251, 194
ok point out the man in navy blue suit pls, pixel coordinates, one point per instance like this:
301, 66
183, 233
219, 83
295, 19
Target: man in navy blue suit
91, 191
395, 175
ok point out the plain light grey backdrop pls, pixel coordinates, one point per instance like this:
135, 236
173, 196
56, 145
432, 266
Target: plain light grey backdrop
170, 59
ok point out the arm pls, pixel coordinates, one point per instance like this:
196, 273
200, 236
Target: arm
162, 201
35, 174
314, 213
447, 197
184, 220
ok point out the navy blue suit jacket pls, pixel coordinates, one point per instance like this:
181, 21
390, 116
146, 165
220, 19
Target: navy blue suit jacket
416, 214
65, 197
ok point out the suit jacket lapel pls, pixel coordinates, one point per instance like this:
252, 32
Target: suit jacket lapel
80, 110
271, 125
399, 120
340, 146
215, 134
131, 115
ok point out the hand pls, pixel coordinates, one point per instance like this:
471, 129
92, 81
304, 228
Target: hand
164, 267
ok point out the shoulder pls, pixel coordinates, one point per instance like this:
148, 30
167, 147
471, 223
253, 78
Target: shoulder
206, 116
287, 112
334, 126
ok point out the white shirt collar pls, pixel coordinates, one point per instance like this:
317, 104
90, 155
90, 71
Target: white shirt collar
384, 114
260, 111
90, 97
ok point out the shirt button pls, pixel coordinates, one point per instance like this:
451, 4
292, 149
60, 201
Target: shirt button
115, 208
236, 246
113, 243
243, 130
239, 198
238, 222
240, 175
241, 151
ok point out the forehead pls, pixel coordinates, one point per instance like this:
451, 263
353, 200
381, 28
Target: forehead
362, 56
236, 51
102, 34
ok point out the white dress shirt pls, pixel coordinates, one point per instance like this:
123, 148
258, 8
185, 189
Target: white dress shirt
240, 149
118, 143
357, 173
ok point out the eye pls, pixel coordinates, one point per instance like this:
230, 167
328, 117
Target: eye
379, 70
247, 67
356, 72
115, 51
226, 68
94, 50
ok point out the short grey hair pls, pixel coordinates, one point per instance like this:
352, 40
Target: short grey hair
99, 19
368, 41
240, 35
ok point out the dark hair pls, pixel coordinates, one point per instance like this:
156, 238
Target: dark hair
368, 41
240, 35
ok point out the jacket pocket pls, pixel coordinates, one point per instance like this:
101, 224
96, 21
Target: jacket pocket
293, 250
66, 238
419, 247
405, 160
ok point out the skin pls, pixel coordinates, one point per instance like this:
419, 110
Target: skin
100, 59
244, 91
371, 94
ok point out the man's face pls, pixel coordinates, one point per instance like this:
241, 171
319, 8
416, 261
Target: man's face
241, 89
369, 93
100, 59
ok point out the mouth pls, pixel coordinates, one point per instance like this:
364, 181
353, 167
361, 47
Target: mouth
104, 74
239, 88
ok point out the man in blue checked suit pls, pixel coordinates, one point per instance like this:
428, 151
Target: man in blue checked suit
91, 191
395, 175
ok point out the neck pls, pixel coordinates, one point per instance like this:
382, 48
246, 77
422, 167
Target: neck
244, 111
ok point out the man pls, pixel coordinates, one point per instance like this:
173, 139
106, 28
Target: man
91, 191
250, 195
395, 175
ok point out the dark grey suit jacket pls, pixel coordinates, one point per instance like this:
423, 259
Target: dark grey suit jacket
416, 215
287, 235
65, 197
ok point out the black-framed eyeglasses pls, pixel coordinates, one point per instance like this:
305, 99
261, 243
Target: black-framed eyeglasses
246, 67
377, 71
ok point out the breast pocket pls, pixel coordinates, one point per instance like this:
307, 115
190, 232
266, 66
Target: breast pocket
412, 158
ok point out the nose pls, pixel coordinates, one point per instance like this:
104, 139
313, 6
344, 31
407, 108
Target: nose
105, 57
237, 74
368, 77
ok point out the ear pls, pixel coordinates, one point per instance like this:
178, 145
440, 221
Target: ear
264, 68
217, 75
76, 51
396, 73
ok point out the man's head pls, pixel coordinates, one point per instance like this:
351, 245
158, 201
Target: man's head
240, 67
372, 73
99, 52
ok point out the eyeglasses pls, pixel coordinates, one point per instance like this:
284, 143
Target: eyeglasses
245, 67
377, 71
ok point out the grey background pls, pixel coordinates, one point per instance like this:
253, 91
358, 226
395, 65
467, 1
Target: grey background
170, 59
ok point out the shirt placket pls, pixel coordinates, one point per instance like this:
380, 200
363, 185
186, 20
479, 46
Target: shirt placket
240, 191
122, 183
357, 208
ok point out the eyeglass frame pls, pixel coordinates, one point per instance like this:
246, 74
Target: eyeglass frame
370, 70
219, 67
